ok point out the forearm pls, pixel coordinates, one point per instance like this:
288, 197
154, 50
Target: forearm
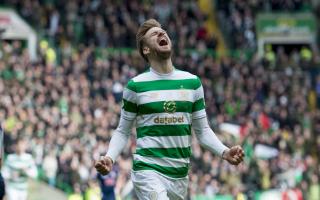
120, 138
117, 144
206, 137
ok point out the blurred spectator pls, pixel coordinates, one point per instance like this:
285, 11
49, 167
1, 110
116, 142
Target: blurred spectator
50, 167
306, 54
107, 184
314, 192
17, 169
269, 56
77, 194
93, 191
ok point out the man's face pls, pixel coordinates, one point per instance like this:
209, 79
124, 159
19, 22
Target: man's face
157, 43
21, 147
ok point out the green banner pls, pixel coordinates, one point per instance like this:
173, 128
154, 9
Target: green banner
293, 24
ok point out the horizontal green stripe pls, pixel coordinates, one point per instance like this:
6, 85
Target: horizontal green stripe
129, 106
164, 130
165, 152
198, 105
173, 172
144, 86
158, 107
131, 85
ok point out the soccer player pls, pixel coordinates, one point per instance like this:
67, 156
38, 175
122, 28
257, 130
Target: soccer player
17, 168
164, 103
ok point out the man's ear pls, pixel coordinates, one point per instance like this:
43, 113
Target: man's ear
146, 50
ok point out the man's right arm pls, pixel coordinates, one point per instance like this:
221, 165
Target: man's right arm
120, 138
128, 114
121, 135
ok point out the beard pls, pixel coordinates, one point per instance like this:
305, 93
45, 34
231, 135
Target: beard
162, 55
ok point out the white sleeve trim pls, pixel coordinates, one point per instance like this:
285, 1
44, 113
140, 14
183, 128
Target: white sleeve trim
198, 93
199, 114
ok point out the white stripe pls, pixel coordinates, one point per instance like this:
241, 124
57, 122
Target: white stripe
165, 95
198, 93
165, 162
199, 114
164, 142
177, 75
130, 95
128, 115
154, 119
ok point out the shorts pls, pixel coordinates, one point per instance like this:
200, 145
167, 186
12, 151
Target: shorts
149, 185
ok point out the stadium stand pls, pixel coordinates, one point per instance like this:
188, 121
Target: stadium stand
238, 17
114, 24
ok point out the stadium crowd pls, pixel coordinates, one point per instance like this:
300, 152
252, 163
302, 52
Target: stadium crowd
69, 109
238, 17
107, 23
68, 113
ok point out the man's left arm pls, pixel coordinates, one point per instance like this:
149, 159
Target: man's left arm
204, 133
209, 140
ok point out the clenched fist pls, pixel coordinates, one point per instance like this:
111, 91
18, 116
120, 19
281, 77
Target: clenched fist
234, 155
104, 165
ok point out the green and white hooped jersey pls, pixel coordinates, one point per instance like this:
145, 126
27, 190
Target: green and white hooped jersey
17, 169
163, 106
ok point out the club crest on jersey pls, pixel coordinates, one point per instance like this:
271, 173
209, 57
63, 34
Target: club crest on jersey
153, 195
169, 106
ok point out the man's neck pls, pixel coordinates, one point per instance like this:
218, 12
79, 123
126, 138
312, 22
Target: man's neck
162, 66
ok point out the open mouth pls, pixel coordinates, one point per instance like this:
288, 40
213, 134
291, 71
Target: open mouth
163, 42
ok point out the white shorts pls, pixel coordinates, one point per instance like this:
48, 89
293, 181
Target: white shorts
149, 185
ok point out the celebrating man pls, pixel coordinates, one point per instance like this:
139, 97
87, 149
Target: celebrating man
165, 102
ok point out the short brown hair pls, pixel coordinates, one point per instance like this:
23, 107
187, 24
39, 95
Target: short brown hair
143, 29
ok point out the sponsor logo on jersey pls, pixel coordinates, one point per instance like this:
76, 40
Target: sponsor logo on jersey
168, 120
